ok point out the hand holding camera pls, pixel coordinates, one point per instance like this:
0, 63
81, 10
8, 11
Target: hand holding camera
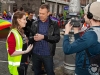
68, 27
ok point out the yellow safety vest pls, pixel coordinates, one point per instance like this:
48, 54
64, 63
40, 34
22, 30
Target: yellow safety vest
14, 61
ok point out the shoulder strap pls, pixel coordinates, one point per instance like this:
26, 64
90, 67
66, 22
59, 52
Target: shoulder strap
87, 52
84, 62
88, 55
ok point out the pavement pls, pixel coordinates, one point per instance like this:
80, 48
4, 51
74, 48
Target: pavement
58, 59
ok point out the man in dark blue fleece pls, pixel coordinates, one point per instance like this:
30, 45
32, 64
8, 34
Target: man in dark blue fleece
89, 41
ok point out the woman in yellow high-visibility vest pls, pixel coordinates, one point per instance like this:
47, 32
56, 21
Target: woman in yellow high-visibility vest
16, 45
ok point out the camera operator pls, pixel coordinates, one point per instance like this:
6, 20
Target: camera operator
90, 40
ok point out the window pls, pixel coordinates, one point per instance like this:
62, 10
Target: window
14, 5
83, 2
25, 7
53, 8
0, 6
43, 1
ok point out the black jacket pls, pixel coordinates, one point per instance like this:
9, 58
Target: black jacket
28, 24
53, 36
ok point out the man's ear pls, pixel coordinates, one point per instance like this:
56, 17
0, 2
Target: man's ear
48, 13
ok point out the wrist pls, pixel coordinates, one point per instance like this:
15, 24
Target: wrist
25, 52
43, 36
66, 32
75, 32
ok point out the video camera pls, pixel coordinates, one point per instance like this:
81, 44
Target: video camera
75, 19
74, 14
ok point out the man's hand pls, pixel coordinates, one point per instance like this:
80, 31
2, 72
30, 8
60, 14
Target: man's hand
38, 37
68, 27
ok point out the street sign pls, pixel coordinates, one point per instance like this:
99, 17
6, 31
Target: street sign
66, 7
65, 11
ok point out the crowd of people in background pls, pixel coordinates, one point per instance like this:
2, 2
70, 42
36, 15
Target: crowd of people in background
7, 15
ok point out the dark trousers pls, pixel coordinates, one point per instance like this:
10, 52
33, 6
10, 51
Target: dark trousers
47, 62
22, 69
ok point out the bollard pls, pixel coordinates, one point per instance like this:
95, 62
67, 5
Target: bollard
69, 60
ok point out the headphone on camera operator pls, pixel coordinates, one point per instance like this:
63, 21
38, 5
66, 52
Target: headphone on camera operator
89, 14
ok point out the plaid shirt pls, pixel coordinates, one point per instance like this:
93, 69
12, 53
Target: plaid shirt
41, 47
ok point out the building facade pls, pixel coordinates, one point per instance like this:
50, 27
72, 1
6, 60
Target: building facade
26, 4
0, 6
56, 6
85, 2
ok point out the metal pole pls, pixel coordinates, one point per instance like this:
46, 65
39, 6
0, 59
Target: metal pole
56, 7
74, 6
69, 60
9, 7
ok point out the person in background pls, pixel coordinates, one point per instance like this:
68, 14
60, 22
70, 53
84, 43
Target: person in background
14, 10
17, 47
9, 15
0, 15
26, 13
21, 9
29, 22
46, 35
34, 16
89, 41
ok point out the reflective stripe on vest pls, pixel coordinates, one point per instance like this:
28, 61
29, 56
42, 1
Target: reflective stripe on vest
14, 61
